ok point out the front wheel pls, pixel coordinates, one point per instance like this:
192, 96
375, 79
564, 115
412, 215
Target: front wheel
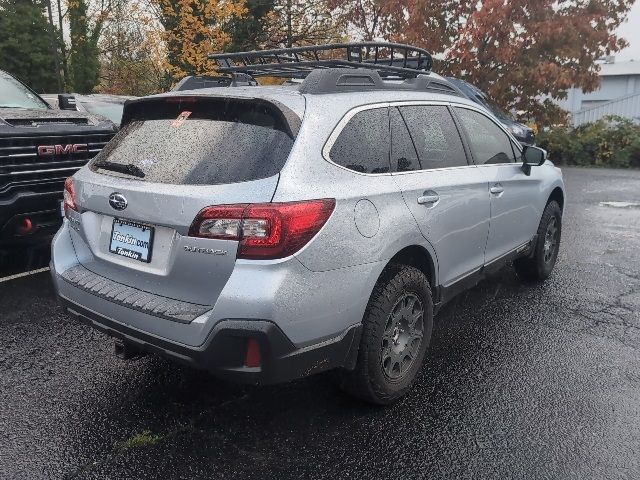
539, 265
396, 333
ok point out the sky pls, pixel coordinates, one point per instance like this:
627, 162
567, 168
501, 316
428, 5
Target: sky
631, 31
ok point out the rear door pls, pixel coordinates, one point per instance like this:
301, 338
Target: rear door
514, 195
446, 195
171, 159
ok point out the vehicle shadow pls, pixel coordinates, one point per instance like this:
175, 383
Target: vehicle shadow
20, 259
166, 416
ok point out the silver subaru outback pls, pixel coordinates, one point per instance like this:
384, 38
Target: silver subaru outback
269, 233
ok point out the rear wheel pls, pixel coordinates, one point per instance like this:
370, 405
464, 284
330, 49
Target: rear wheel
545, 252
396, 333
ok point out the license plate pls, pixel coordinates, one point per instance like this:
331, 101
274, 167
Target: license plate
131, 240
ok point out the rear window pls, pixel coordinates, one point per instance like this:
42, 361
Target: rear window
199, 142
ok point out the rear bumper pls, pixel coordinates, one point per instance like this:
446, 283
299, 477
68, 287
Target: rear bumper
223, 353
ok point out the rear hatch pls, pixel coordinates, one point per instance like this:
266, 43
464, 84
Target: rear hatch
173, 157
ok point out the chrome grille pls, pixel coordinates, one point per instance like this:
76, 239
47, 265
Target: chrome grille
22, 169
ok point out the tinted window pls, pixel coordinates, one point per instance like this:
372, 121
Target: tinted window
489, 143
363, 144
201, 144
435, 136
403, 153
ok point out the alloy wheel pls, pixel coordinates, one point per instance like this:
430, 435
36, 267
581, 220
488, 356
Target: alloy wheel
550, 239
402, 336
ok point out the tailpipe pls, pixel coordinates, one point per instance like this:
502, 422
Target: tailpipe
126, 351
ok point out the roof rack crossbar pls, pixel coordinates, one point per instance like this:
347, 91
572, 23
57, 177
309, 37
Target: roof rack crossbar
403, 60
282, 69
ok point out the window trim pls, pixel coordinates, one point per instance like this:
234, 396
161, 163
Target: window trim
337, 130
511, 138
415, 149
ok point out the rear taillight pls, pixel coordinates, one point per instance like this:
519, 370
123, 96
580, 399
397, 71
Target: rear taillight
69, 196
264, 230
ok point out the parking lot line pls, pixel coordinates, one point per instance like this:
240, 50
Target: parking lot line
23, 274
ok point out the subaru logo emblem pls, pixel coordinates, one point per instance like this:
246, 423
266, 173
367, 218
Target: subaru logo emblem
117, 201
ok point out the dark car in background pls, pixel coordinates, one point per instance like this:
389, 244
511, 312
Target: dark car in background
108, 106
521, 132
39, 148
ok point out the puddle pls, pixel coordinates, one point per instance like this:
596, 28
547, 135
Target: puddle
620, 204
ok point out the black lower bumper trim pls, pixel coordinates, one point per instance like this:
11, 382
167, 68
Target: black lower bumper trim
224, 351
40, 209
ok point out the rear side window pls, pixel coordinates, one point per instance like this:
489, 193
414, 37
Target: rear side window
435, 136
403, 153
489, 143
363, 144
201, 143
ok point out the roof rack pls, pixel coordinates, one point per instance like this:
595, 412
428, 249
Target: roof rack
388, 59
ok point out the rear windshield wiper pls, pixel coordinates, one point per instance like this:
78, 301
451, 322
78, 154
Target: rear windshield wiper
129, 168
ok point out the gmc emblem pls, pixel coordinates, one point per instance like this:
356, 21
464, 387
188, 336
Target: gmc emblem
62, 149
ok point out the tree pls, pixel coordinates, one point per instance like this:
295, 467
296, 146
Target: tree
131, 53
363, 18
540, 48
26, 50
84, 52
303, 22
193, 29
521, 52
249, 31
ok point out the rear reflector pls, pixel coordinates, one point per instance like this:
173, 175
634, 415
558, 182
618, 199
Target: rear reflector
26, 227
253, 357
264, 230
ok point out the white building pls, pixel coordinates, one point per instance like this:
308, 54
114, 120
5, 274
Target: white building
619, 94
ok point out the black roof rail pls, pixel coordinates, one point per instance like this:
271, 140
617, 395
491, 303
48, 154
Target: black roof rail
388, 59
194, 82
335, 80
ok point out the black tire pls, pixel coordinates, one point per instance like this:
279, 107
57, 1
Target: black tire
387, 335
539, 265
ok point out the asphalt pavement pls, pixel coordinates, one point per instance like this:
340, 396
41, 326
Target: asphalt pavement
521, 381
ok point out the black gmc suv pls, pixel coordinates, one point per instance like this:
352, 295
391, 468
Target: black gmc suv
39, 148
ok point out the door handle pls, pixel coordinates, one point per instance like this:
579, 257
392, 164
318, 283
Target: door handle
496, 189
428, 199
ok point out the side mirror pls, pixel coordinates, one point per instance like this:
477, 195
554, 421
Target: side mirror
532, 157
66, 102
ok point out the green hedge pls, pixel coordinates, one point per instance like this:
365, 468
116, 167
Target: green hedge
609, 142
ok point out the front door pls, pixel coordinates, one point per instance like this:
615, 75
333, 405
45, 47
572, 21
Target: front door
514, 195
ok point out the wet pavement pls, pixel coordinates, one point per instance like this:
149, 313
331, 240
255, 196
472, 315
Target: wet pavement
522, 381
